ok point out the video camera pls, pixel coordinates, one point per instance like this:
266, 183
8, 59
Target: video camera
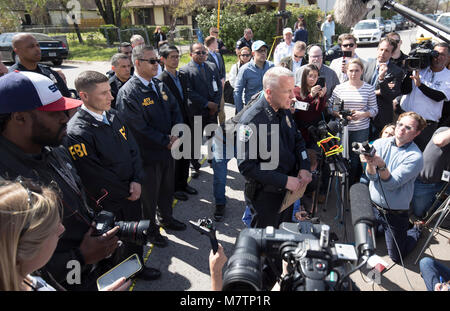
129, 231
284, 14
420, 56
313, 262
338, 106
363, 148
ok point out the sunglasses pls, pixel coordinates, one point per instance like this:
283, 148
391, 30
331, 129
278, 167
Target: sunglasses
151, 61
200, 53
350, 45
298, 56
245, 55
407, 127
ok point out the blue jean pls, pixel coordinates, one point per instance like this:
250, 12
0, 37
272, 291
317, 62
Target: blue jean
431, 270
424, 196
399, 223
220, 169
355, 136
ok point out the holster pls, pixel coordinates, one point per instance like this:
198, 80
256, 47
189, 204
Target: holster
251, 189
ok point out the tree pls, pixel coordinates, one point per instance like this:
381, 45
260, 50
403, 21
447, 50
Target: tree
111, 11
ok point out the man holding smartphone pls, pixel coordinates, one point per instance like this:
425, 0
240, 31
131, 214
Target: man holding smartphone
348, 46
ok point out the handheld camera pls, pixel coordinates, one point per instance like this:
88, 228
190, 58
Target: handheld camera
363, 148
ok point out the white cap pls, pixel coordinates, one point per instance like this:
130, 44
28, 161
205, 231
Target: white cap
287, 30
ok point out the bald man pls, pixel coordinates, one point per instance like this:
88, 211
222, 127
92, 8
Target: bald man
28, 50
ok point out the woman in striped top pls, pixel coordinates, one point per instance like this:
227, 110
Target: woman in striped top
359, 97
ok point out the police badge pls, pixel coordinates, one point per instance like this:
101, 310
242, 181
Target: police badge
164, 96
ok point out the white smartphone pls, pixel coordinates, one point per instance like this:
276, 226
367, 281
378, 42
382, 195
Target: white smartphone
127, 268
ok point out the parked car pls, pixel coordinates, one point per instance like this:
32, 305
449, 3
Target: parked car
382, 24
400, 22
391, 25
51, 49
422, 34
367, 31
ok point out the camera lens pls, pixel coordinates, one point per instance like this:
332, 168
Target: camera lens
244, 267
133, 231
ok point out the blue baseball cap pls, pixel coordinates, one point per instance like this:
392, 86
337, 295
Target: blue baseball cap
258, 44
27, 90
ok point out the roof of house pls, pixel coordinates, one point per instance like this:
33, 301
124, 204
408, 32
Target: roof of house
155, 3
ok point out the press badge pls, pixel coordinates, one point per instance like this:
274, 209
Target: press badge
214, 84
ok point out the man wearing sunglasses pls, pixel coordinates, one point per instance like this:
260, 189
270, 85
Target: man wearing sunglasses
426, 90
347, 42
297, 59
33, 122
392, 172
150, 109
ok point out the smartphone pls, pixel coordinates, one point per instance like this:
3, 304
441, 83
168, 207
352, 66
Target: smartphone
127, 269
321, 81
347, 53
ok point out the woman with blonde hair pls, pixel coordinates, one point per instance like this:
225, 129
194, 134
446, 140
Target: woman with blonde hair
30, 227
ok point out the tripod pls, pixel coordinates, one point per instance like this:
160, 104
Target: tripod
444, 210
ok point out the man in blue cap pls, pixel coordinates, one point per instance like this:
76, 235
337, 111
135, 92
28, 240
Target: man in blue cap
250, 76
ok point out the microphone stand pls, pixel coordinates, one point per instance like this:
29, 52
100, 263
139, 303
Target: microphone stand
419, 19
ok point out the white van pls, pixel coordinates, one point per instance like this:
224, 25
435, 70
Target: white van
367, 31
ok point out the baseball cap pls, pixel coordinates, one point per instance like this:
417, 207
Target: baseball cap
258, 44
26, 90
287, 30
301, 15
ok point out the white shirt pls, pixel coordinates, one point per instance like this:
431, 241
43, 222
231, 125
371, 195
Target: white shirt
145, 82
420, 103
295, 64
98, 117
282, 50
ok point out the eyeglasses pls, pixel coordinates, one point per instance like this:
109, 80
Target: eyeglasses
246, 55
200, 53
315, 56
350, 45
151, 61
215, 32
298, 56
407, 127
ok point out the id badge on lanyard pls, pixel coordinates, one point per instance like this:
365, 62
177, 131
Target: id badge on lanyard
214, 85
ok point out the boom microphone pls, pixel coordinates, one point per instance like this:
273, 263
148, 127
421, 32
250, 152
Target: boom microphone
349, 12
363, 219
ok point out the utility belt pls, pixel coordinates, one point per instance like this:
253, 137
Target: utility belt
389, 211
252, 188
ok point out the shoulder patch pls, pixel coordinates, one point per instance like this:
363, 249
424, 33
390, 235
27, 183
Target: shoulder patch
245, 132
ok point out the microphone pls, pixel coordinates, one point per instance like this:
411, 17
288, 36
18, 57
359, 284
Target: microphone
349, 12
363, 219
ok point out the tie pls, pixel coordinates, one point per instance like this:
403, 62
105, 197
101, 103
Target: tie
375, 76
203, 72
105, 120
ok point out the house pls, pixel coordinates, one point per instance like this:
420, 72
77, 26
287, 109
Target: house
156, 12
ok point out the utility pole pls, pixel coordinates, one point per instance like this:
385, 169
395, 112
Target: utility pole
281, 8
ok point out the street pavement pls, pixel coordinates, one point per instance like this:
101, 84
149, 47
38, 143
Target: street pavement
184, 262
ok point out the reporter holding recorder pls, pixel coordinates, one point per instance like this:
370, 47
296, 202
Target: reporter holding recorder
392, 172
312, 95
359, 97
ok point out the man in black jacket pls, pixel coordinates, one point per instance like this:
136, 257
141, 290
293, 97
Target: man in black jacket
121, 67
32, 125
386, 77
28, 50
151, 110
205, 90
107, 159
177, 84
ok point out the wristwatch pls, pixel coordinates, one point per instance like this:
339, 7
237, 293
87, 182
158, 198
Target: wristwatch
381, 169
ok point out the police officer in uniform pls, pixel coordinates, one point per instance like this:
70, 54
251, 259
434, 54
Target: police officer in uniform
246, 40
107, 159
287, 168
28, 50
151, 110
